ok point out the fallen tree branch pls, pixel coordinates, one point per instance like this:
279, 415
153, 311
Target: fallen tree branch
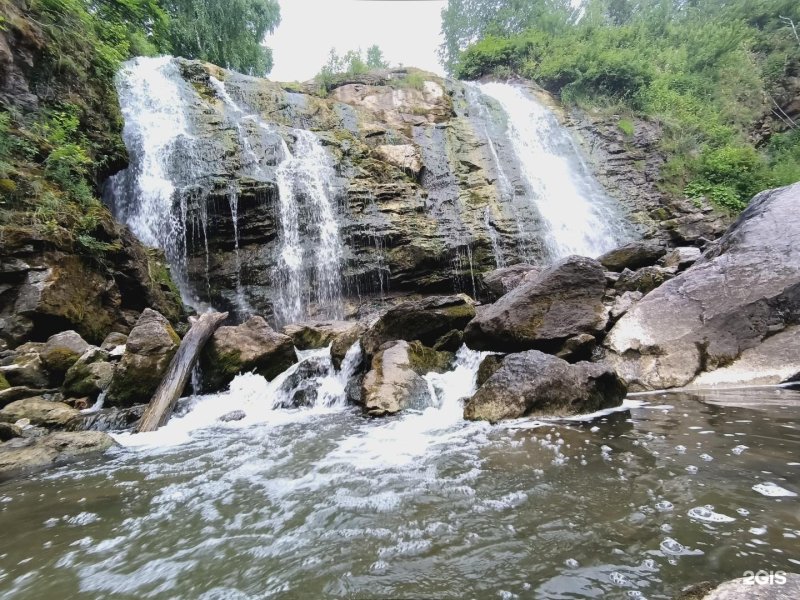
163, 402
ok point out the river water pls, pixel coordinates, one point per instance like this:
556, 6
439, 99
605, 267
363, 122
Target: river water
323, 503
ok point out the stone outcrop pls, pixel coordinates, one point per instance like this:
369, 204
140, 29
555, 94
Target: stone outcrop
149, 349
536, 384
643, 280
560, 303
252, 346
743, 290
23, 456
425, 320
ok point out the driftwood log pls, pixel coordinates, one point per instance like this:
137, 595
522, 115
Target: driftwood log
163, 402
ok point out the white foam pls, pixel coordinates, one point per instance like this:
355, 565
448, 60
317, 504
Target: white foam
773, 490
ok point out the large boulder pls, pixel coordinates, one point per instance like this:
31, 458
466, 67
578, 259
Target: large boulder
61, 351
562, 302
149, 350
23, 456
425, 320
633, 255
499, 282
536, 384
745, 288
40, 412
395, 381
252, 346
681, 258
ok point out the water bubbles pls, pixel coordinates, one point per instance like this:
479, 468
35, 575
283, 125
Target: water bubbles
758, 530
572, 563
672, 547
664, 506
691, 469
680, 449
707, 514
739, 449
706, 457
379, 566
773, 490
743, 511
619, 579
666, 528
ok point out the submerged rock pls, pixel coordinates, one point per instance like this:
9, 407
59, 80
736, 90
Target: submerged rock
425, 320
748, 589
536, 384
560, 303
634, 255
743, 289
252, 346
301, 388
149, 349
28, 455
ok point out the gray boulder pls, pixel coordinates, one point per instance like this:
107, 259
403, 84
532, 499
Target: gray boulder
536, 384
634, 255
499, 282
643, 280
90, 375
149, 349
25, 368
40, 412
252, 346
395, 382
681, 258
744, 289
560, 303
61, 351
425, 320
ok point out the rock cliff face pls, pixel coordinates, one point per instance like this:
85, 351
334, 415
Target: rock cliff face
414, 183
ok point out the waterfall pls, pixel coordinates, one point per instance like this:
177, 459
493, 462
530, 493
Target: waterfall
308, 274
578, 215
152, 96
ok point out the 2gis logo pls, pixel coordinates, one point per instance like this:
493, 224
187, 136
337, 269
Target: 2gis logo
764, 577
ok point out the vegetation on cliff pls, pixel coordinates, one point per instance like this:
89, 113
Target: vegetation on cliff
720, 76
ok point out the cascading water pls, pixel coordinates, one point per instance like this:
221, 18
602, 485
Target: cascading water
309, 232
152, 96
579, 216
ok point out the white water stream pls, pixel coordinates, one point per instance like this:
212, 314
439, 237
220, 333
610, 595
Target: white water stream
578, 215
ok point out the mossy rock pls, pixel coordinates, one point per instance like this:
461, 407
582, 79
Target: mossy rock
4, 385
425, 360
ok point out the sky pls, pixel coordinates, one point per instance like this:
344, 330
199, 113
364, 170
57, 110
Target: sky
408, 32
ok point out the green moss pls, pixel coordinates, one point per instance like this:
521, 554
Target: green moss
424, 360
4, 385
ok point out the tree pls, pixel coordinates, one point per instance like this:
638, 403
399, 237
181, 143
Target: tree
225, 32
375, 58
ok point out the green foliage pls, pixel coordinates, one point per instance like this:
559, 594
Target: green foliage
228, 33
627, 127
351, 64
375, 58
701, 68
